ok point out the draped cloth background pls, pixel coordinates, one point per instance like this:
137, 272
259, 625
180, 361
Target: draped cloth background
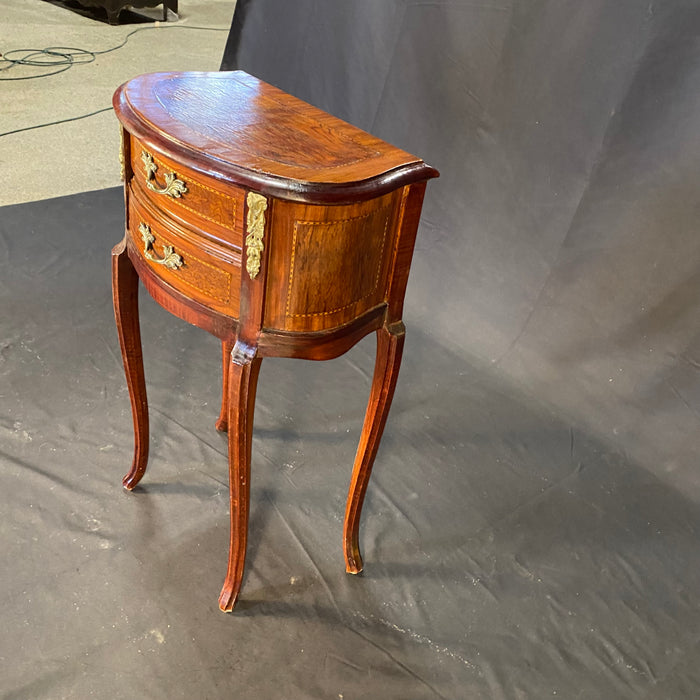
532, 526
560, 247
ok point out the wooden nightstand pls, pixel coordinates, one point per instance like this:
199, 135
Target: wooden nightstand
278, 228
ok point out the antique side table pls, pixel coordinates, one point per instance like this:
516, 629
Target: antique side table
278, 228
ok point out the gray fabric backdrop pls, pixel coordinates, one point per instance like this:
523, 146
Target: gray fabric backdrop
532, 527
560, 246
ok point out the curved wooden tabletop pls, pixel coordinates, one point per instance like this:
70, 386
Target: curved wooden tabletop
235, 126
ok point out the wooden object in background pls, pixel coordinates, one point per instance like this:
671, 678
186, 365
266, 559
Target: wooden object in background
278, 228
114, 7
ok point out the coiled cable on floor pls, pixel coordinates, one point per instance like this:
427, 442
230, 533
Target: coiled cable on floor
62, 58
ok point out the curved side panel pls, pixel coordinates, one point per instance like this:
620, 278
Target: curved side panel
328, 264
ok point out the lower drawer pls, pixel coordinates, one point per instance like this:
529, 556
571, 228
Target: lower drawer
193, 265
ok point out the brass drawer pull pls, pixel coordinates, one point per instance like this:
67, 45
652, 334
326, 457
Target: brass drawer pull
173, 187
170, 258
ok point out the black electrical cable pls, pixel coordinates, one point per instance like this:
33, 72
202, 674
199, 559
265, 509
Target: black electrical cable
66, 57
60, 121
63, 56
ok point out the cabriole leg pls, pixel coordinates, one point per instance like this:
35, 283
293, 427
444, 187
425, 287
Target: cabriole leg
222, 422
390, 341
125, 289
243, 373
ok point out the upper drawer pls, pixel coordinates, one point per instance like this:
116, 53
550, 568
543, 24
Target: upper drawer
193, 198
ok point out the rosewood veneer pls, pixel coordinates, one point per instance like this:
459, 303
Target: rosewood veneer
274, 226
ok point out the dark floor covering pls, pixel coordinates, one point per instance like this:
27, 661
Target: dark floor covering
510, 554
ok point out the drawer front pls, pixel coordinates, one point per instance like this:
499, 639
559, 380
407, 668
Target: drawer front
192, 264
192, 198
